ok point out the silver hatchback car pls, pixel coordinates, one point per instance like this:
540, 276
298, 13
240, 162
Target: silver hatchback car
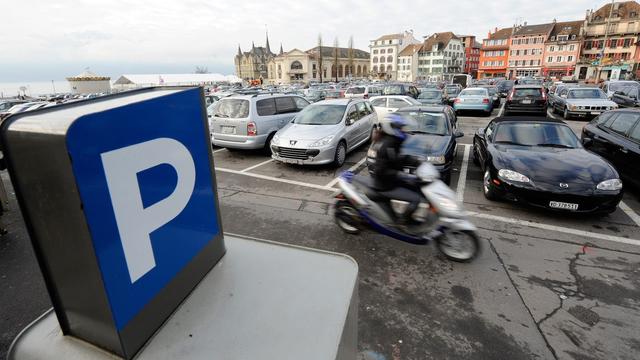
324, 132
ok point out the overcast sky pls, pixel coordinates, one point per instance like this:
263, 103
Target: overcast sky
44, 40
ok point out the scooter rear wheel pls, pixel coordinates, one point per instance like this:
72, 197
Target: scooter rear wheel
460, 246
346, 217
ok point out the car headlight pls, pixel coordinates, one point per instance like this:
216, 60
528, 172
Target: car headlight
610, 185
512, 176
572, 107
322, 142
436, 160
275, 140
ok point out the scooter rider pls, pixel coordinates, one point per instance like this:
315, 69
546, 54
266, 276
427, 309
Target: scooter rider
389, 178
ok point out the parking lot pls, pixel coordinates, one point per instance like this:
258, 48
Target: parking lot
546, 286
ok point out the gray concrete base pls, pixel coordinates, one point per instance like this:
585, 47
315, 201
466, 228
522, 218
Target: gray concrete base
263, 300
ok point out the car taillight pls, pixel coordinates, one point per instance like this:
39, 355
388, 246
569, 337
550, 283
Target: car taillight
510, 97
544, 95
366, 96
485, 101
251, 129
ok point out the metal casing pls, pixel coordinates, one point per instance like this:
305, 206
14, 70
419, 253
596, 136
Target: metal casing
57, 162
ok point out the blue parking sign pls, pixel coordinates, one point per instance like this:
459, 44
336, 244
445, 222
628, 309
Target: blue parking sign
147, 228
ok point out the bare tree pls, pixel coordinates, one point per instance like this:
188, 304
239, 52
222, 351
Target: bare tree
335, 56
201, 70
350, 57
320, 69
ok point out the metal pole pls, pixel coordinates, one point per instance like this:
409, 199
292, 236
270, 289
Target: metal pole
604, 44
54, 87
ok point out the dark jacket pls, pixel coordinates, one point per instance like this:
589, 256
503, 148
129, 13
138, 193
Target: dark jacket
389, 162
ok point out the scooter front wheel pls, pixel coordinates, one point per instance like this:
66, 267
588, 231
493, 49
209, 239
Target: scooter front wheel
459, 245
346, 217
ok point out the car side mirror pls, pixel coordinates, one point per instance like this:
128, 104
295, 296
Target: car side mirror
587, 141
458, 134
481, 131
350, 121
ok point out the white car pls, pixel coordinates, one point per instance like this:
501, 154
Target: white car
362, 91
389, 103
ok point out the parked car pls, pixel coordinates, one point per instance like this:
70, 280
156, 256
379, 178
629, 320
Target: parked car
627, 97
529, 81
583, 102
388, 104
475, 98
452, 91
400, 89
5, 105
493, 92
554, 92
315, 95
610, 87
540, 162
362, 91
530, 99
432, 97
324, 132
251, 121
504, 87
615, 135
433, 136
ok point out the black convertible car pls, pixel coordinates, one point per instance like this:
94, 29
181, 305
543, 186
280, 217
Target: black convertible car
433, 137
540, 162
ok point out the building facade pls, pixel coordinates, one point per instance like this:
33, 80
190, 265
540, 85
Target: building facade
440, 57
610, 49
297, 66
252, 65
384, 54
471, 54
562, 50
494, 54
408, 63
89, 83
526, 50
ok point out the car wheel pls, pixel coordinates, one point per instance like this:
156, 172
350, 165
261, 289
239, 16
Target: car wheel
487, 187
476, 159
565, 114
446, 177
341, 154
267, 145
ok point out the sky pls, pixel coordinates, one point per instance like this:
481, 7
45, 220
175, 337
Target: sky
53, 39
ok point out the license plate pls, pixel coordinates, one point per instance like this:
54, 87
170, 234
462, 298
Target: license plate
291, 161
526, 101
563, 205
228, 129
595, 112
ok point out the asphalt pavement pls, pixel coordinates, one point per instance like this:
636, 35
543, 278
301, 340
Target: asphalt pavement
546, 286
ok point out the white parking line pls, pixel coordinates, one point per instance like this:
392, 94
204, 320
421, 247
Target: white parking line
561, 229
357, 165
501, 109
462, 180
630, 213
255, 166
286, 181
215, 151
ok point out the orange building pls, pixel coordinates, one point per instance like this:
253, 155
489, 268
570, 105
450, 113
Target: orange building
494, 54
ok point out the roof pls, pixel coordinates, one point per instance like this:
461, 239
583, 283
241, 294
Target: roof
440, 39
410, 50
341, 101
624, 11
88, 76
527, 119
173, 79
539, 29
389, 37
343, 53
567, 28
527, 86
501, 34
423, 108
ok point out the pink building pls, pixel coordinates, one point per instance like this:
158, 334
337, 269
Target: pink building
527, 49
562, 50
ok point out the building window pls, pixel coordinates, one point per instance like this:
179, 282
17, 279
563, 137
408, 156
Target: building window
390, 51
563, 37
375, 60
389, 42
552, 48
627, 43
613, 43
390, 59
525, 52
382, 51
296, 65
572, 47
550, 59
558, 58
561, 48
570, 58
375, 68
375, 51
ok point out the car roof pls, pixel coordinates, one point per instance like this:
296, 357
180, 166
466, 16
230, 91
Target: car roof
391, 96
527, 86
529, 119
341, 101
422, 108
259, 95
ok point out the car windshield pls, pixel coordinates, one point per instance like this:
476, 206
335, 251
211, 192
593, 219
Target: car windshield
492, 90
430, 95
231, 108
452, 89
619, 86
586, 94
473, 92
392, 90
426, 123
324, 114
355, 90
527, 92
536, 134
530, 82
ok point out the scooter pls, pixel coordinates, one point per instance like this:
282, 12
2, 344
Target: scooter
439, 217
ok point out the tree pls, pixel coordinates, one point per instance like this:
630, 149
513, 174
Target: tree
201, 70
320, 69
350, 58
335, 56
